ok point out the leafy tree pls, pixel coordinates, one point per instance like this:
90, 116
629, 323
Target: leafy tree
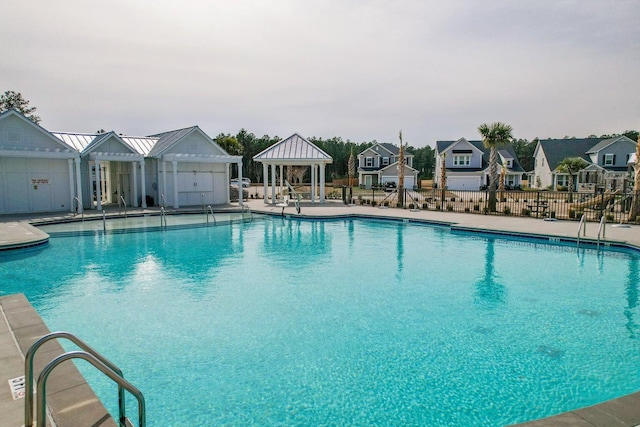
524, 152
11, 99
571, 166
229, 144
494, 136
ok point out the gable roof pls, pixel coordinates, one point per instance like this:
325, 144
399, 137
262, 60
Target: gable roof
293, 148
607, 142
392, 149
556, 150
167, 139
80, 141
505, 151
12, 112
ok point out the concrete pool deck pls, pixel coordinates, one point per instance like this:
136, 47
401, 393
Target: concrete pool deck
20, 325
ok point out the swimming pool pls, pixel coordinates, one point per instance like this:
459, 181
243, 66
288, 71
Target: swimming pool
344, 322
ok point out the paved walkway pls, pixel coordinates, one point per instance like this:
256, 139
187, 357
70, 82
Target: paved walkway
18, 320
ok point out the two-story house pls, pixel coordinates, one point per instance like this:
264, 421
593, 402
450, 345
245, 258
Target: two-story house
467, 164
378, 164
607, 159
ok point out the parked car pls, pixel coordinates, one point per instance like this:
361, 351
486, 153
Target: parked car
246, 182
389, 186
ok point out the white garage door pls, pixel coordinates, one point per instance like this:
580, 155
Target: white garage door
471, 183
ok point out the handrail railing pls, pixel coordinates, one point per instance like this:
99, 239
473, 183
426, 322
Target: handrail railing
601, 229
295, 193
28, 372
210, 209
163, 217
41, 400
76, 199
121, 199
242, 209
104, 221
582, 227
163, 201
202, 201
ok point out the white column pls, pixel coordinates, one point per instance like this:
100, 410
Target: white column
98, 187
70, 164
164, 184
143, 184
240, 187
265, 180
322, 165
313, 183
79, 183
273, 183
175, 185
281, 180
134, 177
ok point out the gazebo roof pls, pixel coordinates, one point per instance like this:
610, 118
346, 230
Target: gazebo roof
293, 150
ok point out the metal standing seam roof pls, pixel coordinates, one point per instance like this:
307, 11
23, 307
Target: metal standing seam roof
81, 141
166, 139
294, 147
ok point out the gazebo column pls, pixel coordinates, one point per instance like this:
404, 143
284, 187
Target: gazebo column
273, 184
176, 205
240, 187
265, 181
98, 185
163, 194
143, 184
281, 180
70, 164
322, 165
134, 187
78, 183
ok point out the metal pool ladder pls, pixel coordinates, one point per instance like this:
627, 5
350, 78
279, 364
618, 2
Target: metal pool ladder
582, 228
209, 209
91, 356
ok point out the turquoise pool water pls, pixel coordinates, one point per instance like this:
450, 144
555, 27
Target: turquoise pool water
346, 322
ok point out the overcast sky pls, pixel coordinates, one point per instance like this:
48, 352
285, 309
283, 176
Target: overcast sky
361, 70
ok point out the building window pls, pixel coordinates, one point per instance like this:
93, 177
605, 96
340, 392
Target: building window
368, 162
609, 159
385, 161
562, 181
459, 160
509, 163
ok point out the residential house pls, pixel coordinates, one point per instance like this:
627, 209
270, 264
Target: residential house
607, 160
378, 164
467, 165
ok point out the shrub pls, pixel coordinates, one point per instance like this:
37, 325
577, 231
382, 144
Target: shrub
467, 210
609, 217
398, 205
476, 207
411, 206
485, 210
552, 214
449, 207
386, 203
525, 212
440, 208
506, 210
373, 203
572, 214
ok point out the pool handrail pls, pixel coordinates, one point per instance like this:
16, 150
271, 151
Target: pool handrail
163, 201
582, 227
123, 384
210, 209
76, 199
163, 217
28, 371
601, 229
121, 199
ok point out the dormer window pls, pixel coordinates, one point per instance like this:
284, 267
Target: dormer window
385, 161
509, 163
609, 159
461, 160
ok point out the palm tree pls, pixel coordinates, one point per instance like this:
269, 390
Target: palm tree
401, 174
351, 169
571, 166
494, 136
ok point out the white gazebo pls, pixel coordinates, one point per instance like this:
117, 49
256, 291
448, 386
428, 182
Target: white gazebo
293, 151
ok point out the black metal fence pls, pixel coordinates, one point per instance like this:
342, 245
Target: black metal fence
537, 204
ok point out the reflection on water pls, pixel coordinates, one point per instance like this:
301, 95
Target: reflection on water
489, 291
